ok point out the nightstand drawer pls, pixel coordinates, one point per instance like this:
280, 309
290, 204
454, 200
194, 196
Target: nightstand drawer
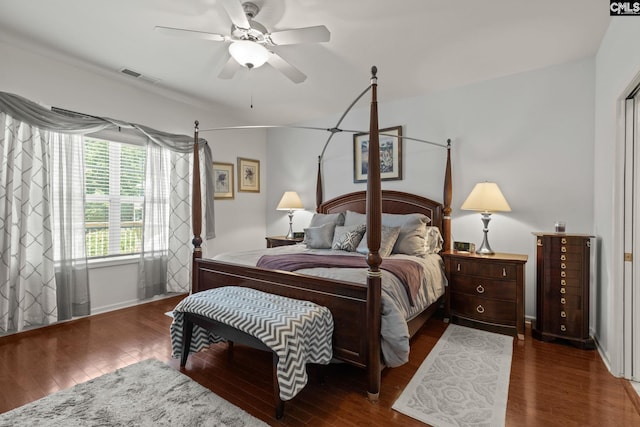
484, 287
477, 267
483, 309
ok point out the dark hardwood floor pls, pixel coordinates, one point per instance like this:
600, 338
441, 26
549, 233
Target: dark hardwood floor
551, 384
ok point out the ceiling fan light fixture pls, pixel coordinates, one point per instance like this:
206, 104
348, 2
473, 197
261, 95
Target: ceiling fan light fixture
249, 53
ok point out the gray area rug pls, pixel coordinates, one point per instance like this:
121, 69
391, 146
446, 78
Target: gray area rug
464, 381
148, 393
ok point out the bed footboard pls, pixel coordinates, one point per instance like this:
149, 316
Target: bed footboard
347, 301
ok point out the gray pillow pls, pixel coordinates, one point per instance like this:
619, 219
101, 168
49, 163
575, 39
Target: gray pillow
354, 218
413, 230
412, 237
347, 238
388, 238
319, 237
321, 219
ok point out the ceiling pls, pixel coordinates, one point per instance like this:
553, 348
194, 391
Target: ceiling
419, 46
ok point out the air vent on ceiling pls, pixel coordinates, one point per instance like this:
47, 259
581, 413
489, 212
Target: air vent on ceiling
137, 75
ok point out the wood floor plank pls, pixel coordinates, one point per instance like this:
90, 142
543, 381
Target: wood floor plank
551, 384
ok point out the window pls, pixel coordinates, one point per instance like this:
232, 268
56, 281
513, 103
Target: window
114, 197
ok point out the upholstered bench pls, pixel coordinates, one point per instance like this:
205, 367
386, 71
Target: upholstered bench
296, 332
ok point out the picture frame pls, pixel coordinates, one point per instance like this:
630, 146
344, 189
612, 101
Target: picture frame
390, 154
223, 181
248, 175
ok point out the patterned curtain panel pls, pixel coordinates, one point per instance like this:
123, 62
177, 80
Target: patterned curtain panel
179, 271
27, 281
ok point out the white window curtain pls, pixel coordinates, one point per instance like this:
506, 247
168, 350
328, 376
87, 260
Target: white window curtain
27, 281
152, 268
67, 213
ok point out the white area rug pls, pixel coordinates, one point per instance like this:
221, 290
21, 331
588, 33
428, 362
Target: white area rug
464, 381
148, 393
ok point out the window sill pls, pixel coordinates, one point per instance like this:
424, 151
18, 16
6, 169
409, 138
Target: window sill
114, 261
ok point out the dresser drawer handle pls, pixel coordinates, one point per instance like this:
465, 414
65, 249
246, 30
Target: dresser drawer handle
563, 249
563, 274
563, 300
563, 282
504, 272
480, 309
458, 267
563, 291
563, 257
563, 313
480, 289
564, 241
563, 328
563, 265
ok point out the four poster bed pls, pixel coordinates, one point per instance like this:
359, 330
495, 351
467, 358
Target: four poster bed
356, 307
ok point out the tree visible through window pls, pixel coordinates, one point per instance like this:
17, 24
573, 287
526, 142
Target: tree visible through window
114, 190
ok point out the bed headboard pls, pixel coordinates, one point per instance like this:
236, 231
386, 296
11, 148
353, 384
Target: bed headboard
396, 202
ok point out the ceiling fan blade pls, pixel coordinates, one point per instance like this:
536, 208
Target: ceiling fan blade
315, 34
236, 13
285, 68
229, 69
190, 33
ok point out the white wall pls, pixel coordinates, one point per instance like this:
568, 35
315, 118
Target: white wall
53, 81
617, 66
532, 133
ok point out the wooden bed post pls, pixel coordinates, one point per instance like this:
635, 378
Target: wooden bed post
319, 195
196, 206
446, 219
374, 228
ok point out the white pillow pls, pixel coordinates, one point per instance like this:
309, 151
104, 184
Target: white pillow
434, 241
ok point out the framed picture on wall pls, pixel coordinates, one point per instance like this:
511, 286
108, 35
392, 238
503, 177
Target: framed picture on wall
248, 175
222, 180
390, 154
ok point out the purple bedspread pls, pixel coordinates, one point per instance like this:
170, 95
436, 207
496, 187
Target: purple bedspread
409, 272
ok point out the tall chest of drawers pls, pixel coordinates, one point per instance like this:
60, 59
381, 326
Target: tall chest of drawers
486, 291
562, 296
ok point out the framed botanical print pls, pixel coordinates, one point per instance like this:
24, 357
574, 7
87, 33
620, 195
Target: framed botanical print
390, 154
248, 175
222, 180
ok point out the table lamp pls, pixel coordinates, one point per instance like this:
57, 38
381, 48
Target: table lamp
290, 202
486, 198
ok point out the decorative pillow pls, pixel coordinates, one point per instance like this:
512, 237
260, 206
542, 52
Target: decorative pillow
412, 237
388, 238
319, 219
434, 240
319, 237
347, 238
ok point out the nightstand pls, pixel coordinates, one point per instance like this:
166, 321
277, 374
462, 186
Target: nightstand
274, 241
486, 291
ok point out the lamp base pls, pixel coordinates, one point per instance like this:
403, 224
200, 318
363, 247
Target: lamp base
290, 233
485, 248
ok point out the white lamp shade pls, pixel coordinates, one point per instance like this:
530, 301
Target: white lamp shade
248, 53
290, 202
486, 197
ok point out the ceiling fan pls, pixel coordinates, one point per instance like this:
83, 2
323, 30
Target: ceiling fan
251, 43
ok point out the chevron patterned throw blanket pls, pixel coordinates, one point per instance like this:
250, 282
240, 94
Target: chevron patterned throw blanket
299, 332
